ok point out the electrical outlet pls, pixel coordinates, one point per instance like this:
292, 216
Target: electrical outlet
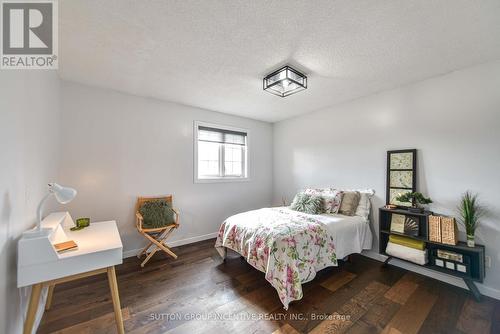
487, 260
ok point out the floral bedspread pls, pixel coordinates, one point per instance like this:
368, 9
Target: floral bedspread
288, 246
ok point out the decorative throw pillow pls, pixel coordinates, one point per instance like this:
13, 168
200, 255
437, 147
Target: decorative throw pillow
310, 204
364, 205
350, 201
156, 214
332, 201
331, 198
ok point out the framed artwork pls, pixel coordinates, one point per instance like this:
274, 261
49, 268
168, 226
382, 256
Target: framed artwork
404, 224
398, 223
401, 175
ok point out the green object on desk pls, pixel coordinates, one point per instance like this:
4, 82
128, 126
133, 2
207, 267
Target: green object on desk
81, 223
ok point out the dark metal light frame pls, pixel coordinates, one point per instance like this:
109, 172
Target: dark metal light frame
269, 86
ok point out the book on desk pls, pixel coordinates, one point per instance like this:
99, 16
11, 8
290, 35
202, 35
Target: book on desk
65, 246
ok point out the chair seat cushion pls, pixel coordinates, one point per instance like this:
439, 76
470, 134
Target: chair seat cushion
157, 214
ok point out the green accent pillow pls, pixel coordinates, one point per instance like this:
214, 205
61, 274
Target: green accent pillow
157, 214
310, 204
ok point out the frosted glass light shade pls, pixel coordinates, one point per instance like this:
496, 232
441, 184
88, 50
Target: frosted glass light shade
285, 81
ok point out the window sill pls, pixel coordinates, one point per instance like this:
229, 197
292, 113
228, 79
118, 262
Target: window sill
222, 180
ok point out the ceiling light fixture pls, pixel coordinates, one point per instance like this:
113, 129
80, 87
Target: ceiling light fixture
285, 81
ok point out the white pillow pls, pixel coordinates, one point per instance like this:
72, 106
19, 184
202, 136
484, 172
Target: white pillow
363, 209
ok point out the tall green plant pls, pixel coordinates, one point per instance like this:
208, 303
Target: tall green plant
470, 212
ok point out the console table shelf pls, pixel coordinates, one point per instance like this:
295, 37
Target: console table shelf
476, 255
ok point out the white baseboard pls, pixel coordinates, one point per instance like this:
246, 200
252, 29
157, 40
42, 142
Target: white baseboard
485, 290
174, 243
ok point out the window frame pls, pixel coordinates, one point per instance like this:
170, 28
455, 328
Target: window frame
220, 179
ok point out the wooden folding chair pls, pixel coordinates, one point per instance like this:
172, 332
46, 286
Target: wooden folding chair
155, 236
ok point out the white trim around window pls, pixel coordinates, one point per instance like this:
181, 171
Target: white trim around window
219, 178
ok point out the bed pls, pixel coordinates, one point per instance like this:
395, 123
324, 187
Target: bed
290, 247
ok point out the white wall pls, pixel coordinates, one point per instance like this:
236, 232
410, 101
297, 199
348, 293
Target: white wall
119, 146
29, 140
453, 121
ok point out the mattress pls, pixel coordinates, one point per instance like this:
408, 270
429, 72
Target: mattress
351, 234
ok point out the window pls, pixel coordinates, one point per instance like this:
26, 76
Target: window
220, 153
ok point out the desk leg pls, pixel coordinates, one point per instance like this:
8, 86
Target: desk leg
50, 293
113, 286
36, 290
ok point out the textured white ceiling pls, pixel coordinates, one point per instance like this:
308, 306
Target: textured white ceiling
213, 54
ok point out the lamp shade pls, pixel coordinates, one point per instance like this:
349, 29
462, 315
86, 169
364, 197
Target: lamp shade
62, 194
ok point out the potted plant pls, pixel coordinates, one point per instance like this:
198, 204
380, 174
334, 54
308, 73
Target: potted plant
416, 199
470, 212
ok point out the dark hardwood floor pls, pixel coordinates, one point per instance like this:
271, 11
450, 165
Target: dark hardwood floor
198, 293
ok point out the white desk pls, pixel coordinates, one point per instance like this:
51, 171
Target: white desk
99, 250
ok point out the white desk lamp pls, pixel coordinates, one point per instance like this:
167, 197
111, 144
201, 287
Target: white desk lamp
62, 194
